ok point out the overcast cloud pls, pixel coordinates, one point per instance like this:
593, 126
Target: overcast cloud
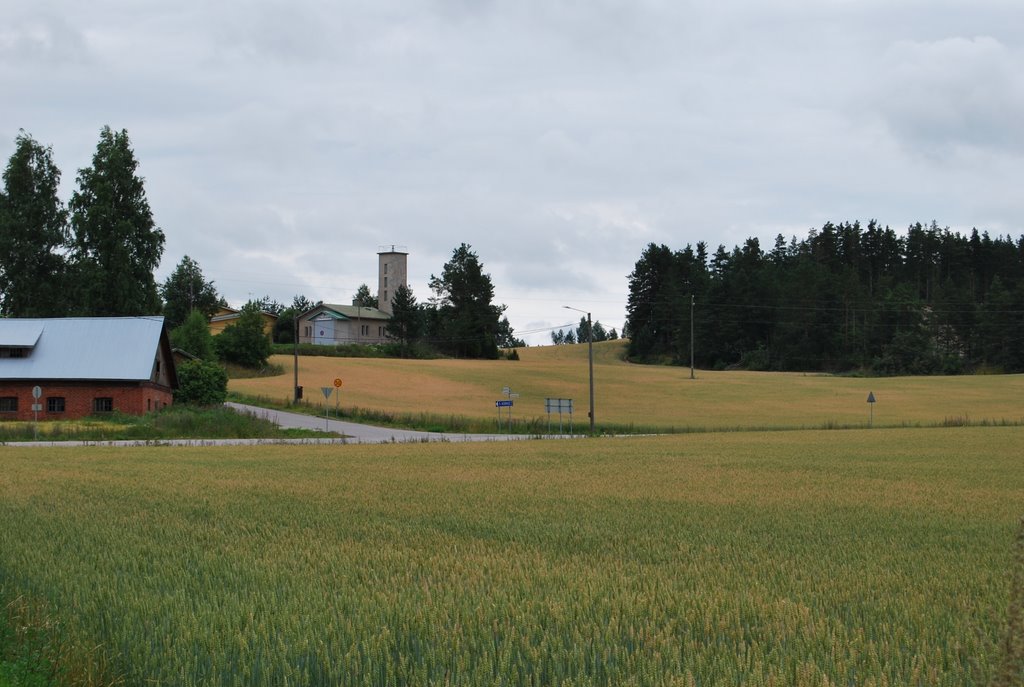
283, 143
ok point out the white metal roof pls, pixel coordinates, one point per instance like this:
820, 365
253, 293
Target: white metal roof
84, 348
20, 333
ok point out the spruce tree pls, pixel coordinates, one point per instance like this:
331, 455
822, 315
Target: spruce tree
116, 244
467, 322
33, 233
363, 298
406, 323
187, 290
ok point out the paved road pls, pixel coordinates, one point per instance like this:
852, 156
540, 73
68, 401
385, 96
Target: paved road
364, 434
352, 432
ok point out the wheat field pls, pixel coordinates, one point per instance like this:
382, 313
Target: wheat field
654, 397
752, 558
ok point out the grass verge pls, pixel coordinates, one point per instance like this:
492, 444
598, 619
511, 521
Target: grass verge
175, 422
424, 421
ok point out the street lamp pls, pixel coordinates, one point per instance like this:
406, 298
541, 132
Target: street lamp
590, 354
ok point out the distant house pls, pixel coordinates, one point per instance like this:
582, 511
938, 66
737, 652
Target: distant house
227, 316
84, 366
328, 324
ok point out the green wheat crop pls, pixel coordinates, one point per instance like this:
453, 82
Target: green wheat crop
782, 558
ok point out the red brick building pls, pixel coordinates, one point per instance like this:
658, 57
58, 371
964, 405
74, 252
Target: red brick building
84, 366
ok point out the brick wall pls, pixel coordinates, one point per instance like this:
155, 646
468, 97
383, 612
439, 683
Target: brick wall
129, 398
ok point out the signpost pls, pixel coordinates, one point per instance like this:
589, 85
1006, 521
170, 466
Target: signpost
327, 391
871, 405
337, 397
558, 405
506, 404
37, 393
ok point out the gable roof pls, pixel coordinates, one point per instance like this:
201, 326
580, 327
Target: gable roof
224, 317
346, 312
84, 348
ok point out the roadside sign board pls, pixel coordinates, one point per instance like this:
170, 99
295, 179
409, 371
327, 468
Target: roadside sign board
37, 407
558, 405
337, 382
328, 390
503, 404
37, 391
871, 397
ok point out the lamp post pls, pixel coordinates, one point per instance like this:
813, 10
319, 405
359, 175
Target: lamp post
590, 356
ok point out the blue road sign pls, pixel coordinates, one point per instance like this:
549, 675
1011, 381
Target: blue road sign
503, 404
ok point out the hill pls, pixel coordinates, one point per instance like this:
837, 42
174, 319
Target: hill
655, 397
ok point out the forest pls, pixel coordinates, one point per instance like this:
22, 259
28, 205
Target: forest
848, 298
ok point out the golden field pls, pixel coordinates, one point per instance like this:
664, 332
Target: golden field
843, 557
647, 396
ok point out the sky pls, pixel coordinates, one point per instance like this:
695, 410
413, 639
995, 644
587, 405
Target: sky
283, 144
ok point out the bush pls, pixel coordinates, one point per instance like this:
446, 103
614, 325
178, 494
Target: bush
194, 337
201, 383
245, 343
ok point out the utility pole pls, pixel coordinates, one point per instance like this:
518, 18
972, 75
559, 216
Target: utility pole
295, 355
691, 336
590, 356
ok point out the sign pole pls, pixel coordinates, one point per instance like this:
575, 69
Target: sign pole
37, 393
337, 398
327, 391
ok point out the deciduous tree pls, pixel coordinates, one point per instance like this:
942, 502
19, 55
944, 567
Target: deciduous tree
193, 336
284, 327
244, 342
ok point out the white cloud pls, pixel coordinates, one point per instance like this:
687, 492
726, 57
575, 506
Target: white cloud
283, 143
942, 95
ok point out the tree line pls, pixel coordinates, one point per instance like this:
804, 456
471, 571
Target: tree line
848, 297
97, 255
582, 334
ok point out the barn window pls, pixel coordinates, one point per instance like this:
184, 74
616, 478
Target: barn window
55, 404
102, 404
8, 404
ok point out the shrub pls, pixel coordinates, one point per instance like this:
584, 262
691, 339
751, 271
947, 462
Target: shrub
201, 383
245, 343
194, 337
